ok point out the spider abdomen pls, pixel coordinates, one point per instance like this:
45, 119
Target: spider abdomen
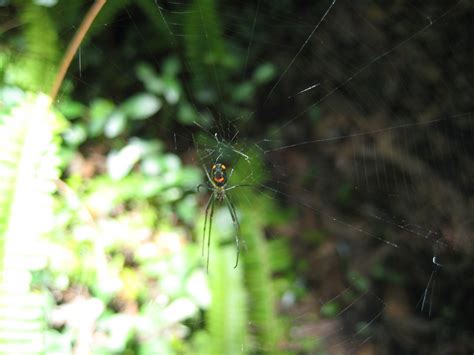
219, 175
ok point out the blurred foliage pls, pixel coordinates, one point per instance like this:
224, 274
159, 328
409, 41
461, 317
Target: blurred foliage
33, 62
118, 270
205, 50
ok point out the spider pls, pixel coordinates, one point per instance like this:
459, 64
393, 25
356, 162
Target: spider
217, 178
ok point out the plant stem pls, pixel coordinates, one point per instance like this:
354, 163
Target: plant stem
74, 46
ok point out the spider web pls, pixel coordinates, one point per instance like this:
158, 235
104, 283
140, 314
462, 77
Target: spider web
375, 134
372, 148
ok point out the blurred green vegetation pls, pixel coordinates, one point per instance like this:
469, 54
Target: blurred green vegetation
100, 222
118, 268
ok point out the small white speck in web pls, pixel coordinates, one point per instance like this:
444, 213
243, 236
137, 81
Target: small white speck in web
305, 90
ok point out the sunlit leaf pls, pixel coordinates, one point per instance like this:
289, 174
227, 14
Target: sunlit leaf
46, 3
115, 125
120, 163
172, 91
141, 106
179, 310
75, 135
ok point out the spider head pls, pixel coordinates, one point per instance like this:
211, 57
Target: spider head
218, 174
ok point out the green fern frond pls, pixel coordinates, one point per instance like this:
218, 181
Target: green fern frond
205, 49
28, 169
259, 285
254, 275
259, 264
227, 316
36, 67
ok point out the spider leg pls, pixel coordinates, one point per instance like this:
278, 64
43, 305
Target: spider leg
207, 174
235, 220
209, 236
204, 186
206, 216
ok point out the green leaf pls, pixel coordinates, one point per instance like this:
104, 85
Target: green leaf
172, 91
186, 114
187, 209
120, 163
243, 92
75, 135
150, 78
115, 125
151, 166
171, 67
264, 73
99, 113
330, 309
71, 109
141, 106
